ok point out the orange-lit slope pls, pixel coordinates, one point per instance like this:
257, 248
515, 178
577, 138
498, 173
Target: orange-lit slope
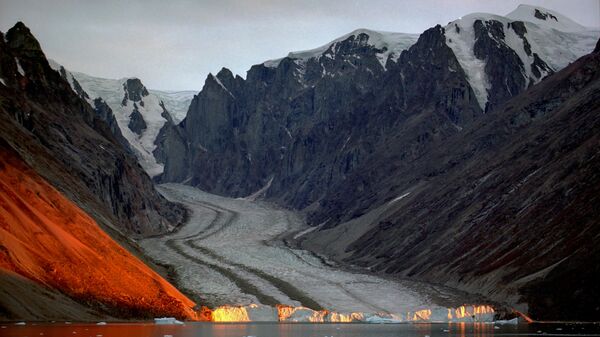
46, 238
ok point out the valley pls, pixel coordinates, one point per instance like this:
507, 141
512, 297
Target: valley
231, 253
450, 176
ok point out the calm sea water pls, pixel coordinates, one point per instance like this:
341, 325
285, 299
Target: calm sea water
294, 330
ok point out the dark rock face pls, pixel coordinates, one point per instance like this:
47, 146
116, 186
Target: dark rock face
71, 145
137, 124
172, 150
105, 113
76, 86
308, 124
134, 90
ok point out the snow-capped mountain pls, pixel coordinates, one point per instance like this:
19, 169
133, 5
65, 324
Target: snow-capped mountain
535, 41
389, 44
140, 113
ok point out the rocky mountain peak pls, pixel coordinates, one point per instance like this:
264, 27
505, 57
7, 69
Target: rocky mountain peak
20, 38
134, 90
225, 76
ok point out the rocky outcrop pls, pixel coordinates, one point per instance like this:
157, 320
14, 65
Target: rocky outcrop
105, 113
134, 90
137, 124
69, 144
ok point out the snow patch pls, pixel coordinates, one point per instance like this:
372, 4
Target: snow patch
19, 68
221, 84
399, 198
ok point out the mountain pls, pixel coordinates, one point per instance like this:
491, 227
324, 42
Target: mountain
70, 256
335, 131
66, 178
139, 113
504, 209
305, 121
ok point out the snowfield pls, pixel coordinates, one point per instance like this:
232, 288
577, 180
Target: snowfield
230, 254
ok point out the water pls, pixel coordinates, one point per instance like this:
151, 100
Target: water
295, 330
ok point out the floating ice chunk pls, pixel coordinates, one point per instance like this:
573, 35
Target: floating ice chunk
20, 323
381, 320
508, 321
101, 323
167, 320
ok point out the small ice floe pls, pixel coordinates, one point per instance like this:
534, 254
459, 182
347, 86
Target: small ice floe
558, 329
101, 323
167, 320
67, 322
20, 323
381, 320
508, 321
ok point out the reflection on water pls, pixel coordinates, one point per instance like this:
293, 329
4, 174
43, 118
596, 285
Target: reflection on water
296, 330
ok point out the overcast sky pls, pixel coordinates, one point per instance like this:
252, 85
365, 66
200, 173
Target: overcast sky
174, 44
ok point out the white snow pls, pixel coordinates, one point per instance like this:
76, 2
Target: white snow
177, 102
112, 92
308, 230
462, 44
394, 42
562, 23
556, 44
400, 197
19, 68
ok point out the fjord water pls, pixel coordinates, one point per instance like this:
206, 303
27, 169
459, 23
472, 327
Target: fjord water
297, 330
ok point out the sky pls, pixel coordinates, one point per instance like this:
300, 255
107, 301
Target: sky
175, 44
